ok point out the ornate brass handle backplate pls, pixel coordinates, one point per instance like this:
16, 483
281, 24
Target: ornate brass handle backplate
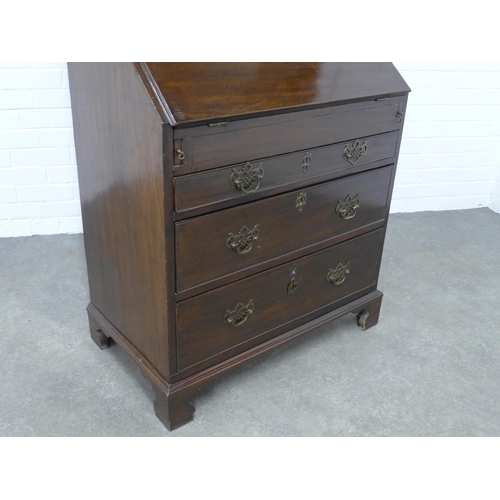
242, 241
247, 178
353, 152
338, 275
347, 208
239, 314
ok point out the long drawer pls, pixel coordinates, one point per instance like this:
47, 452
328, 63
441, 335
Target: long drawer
202, 148
253, 179
216, 321
222, 243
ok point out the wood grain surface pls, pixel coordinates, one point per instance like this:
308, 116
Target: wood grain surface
202, 331
119, 149
201, 243
213, 91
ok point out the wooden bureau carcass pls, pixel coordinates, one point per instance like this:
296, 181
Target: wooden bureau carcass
230, 207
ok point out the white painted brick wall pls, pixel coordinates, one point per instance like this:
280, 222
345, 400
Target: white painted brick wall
450, 152
38, 178
450, 155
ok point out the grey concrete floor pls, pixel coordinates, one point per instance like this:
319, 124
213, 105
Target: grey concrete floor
431, 367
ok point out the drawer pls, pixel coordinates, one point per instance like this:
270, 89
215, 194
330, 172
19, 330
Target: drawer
222, 319
210, 147
222, 243
252, 180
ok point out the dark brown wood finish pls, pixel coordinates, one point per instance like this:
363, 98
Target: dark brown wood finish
263, 266
209, 189
210, 92
98, 336
129, 120
173, 401
402, 112
225, 147
277, 190
202, 251
120, 166
202, 330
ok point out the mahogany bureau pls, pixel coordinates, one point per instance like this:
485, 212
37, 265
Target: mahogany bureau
230, 207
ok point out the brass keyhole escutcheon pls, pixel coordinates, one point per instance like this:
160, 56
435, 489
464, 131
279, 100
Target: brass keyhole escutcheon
301, 201
291, 287
306, 161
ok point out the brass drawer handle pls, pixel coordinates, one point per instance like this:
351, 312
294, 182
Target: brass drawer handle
239, 314
347, 208
338, 275
354, 151
180, 154
301, 201
247, 178
242, 241
306, 161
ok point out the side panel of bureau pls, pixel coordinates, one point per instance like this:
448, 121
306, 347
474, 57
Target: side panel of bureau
119, 148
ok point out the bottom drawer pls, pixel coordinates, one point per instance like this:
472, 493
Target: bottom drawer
221, 319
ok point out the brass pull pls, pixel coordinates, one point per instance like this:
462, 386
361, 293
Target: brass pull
338, 275
301, 201
306, 161
180, 154
353, 152
242, 241
239, 314
247, 178
347, 208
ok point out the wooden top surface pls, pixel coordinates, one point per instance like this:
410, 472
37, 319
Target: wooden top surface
209, 92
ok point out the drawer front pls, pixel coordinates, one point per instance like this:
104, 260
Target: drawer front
216, 321
216, 245
244, 180
202, 152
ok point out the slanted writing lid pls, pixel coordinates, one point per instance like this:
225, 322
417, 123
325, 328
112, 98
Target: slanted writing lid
198, 93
